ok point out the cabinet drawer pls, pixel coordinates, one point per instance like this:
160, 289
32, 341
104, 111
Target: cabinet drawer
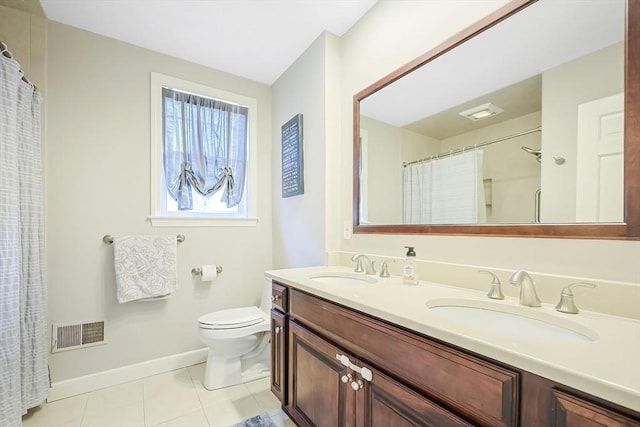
481, 391
571, 411
279, 298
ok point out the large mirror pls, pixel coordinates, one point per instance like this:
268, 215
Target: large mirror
524, 124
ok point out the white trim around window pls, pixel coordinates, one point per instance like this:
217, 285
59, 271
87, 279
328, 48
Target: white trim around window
160, 219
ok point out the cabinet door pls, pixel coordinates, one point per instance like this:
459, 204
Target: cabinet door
571, 411
385, 402
278, 355
317, 394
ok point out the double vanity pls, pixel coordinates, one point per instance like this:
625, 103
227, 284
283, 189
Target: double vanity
356, 349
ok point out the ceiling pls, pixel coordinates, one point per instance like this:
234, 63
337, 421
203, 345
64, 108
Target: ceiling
256, 39
30, 6
496, 64
516, 100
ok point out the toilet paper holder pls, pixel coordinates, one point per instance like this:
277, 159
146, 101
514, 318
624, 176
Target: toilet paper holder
197, 271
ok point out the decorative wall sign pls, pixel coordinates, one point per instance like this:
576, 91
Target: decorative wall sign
292, 160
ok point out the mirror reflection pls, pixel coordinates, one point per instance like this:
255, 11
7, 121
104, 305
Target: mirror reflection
523, 123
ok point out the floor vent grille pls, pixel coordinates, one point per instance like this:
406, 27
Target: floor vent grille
77, 335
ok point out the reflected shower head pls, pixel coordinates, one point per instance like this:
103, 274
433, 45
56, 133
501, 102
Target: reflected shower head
534, 152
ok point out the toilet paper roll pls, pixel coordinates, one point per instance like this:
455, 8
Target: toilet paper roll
209, 273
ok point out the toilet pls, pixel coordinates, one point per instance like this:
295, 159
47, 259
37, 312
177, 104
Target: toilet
238, 342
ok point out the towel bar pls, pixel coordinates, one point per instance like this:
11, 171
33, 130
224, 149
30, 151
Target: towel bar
108, 238
197, 271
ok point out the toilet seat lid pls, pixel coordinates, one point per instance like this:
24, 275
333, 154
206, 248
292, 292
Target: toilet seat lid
232, 318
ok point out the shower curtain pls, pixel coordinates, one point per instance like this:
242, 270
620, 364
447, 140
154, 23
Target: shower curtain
445, 191
24, 379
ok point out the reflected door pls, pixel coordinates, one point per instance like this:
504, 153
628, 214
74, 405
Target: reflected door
600, 160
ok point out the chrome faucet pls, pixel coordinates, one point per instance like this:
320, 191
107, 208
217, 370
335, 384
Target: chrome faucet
362, 259
528, 295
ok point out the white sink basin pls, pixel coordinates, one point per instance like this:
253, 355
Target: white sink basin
343, 278
525, 322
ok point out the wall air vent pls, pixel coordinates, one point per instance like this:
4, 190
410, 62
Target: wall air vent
70, 336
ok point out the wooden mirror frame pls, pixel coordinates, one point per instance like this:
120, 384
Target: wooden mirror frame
629, 229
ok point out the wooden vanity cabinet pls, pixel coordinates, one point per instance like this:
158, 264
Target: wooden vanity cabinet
412, 380
325, 392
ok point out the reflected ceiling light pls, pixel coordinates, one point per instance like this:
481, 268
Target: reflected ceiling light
481, 112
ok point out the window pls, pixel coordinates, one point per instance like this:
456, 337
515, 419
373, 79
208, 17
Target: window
203, 149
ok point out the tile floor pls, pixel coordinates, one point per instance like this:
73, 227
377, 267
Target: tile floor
172, 399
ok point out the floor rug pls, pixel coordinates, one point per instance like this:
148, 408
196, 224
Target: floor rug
261, 420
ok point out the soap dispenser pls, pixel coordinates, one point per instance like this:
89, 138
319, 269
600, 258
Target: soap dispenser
409, 273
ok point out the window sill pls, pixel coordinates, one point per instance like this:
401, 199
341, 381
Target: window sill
168, 221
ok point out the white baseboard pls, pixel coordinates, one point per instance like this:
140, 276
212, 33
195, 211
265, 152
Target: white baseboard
72, 387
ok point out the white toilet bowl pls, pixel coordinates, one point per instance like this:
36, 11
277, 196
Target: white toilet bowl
238, 342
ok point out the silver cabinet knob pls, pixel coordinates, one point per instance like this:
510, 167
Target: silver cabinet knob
357, 385
346, 378
274, 298
278, 329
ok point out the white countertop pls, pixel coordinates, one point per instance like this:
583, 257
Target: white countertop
608, 367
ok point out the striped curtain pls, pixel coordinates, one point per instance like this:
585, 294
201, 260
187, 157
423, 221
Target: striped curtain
24, 380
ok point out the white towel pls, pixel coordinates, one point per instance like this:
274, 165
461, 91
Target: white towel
146, 267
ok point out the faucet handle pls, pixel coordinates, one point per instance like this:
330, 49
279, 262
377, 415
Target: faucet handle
567, 303
384, 270
567, 289
496, 291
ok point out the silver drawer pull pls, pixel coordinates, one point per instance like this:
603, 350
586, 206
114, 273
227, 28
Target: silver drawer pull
343, 359
278, 329
364, 372
274, 298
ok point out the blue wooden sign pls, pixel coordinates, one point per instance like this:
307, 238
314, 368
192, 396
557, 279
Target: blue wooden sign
292, 160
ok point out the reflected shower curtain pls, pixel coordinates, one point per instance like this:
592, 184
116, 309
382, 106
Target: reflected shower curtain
445, 191
24, 379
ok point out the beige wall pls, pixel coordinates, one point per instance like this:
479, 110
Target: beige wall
98, 183
388, 148
25, 35
300, 221
390, 35
585, 79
